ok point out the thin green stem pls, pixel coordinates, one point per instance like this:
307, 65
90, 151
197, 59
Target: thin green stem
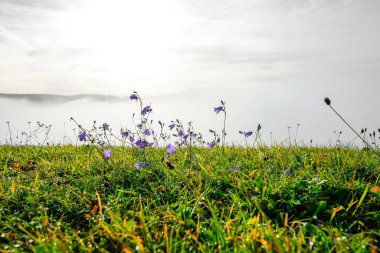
10, 134
224, 128
191, 153
351, 128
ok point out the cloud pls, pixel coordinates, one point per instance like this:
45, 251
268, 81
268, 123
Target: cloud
11, 38
59, 52
218, 42
44, 4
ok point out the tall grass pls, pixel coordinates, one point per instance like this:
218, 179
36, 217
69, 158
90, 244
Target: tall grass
68, 198
143, 190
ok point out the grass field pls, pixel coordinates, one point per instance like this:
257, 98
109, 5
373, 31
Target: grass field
280, 199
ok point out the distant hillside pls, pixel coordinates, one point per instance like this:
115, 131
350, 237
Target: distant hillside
52, 98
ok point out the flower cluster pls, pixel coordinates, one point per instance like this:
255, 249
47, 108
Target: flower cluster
142, 135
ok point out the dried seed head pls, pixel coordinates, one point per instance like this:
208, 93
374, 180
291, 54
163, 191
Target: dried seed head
327, 101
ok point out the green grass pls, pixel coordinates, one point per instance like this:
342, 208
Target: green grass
67, 198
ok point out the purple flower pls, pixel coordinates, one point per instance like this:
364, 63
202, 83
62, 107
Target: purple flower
141, 144
210, 145
124, 134
133, 97
106, 126
186, 136
101, 143
171, 126
170, 149
146, 110
141, 165
218, 109
146, 132
131, 139
107, 153
151, 144
287, 172
247, 134
82, 136
234, 168
180, 133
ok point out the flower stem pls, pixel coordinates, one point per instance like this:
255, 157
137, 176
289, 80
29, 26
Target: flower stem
369, 146
224, 127
10, 134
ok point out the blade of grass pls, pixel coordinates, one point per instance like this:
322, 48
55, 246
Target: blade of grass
361, 199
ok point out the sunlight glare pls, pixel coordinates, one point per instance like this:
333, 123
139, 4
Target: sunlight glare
125, 34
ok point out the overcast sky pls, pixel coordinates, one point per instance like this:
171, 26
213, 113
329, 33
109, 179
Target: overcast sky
281, 55
115, 46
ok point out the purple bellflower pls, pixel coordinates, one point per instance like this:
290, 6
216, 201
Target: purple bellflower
218, 109
141, 165
146, 110
82, 136
106, 126
107, 153
170, 149
124, 134
141, 144
247, 134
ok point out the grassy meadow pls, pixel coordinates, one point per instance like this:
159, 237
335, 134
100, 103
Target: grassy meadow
232, 199
167, 189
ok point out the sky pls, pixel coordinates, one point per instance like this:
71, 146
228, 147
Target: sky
275, 60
